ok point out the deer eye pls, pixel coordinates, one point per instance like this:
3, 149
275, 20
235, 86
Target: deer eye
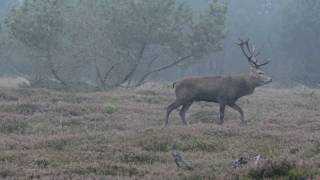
260, 73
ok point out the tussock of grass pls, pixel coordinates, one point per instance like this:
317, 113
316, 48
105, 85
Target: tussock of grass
106, 170
307, 92
198, 177
204, 145
7, 158
204, 117
5, 96
139, 157
109, 108
56, 144
4, 173
313, 151
162, 145
147, 92
41, 163
280, 169
16, 126
29, 108
156, 141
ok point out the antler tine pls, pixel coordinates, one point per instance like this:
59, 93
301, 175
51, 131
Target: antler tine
248, 47
251, 53
242, 44
255, 52
264, 63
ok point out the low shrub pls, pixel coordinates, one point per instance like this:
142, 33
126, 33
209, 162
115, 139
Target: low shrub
109, 108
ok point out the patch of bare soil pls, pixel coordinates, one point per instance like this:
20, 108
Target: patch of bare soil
46, 134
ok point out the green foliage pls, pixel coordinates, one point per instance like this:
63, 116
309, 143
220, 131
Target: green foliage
109, 108
36, 23
209, 29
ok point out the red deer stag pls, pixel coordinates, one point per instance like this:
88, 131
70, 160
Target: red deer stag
225, 90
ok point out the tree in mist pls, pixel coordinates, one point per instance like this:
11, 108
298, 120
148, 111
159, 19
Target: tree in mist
132, 40
38, 24
116, 42
301, 40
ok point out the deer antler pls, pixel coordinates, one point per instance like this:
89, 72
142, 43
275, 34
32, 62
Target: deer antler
251, 53
267, 61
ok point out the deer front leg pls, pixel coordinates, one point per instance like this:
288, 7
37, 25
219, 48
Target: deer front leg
237, 108
222, 108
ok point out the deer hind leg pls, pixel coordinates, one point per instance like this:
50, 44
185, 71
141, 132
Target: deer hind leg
221, 109
237, 108
170, 108
183, 111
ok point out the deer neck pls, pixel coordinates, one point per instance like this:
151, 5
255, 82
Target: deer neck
251, 83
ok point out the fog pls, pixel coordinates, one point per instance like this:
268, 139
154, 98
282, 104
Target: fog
86, 42
159, 89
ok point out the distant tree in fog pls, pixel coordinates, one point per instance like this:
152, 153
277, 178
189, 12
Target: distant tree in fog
301, 39
117, 42
128, 41
38, 24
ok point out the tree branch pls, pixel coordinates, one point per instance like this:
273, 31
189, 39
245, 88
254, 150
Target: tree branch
108, 73
53, 70
99, 76
134, 68
145, 76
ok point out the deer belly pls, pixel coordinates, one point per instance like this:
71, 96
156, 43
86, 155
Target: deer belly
206, 97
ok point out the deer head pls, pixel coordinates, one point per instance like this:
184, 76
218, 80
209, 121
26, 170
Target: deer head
256, 74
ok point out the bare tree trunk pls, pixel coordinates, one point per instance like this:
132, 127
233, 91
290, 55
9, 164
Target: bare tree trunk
99, 76
103, 80
52, 68
128, 76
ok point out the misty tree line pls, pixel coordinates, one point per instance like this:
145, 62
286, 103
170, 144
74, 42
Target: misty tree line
110, 43
287, 31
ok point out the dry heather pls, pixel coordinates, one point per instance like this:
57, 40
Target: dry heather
119, 135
